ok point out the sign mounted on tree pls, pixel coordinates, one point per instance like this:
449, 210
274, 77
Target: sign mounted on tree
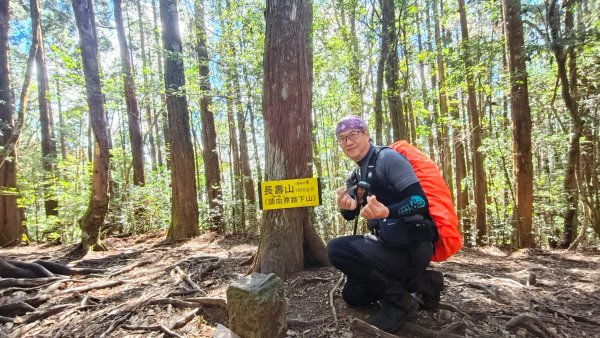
294, 193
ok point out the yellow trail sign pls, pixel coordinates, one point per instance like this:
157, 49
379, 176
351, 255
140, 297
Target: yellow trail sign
294, 193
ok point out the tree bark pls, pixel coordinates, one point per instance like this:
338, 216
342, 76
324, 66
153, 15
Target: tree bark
184, 207
379, 91
145, 102
162, 112
10, 215
46, 122
212, 172
133, 113
564, 49
98, 204
390, 36
445, 151
287, 95
521, 122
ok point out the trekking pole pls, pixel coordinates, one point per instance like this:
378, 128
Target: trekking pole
366, 186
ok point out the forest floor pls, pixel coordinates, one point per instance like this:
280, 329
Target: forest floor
488, 293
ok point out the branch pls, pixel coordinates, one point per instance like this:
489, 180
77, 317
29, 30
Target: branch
162, 328
94, 286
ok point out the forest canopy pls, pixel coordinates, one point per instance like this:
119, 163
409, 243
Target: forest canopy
503, 95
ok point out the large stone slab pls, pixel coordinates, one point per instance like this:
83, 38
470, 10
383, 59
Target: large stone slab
256, 306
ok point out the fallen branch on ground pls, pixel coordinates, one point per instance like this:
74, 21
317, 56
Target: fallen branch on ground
94, 286
171, 301
40, 315
574, 316
365, 327
188, 280
161, 328
216, 301
183, 321
453, 308
211, 267
419, 331
130, 267
115, 324
331, 298
299, 322
532, 323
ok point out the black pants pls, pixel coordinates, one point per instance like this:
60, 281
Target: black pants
357, 256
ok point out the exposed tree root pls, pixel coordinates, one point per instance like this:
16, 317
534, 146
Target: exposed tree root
183, 321
532, 323
27, 282
39, 315
298, 322
94, 286
15, 309
160, 328
130, 267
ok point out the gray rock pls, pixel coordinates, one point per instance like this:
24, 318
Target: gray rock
256, 306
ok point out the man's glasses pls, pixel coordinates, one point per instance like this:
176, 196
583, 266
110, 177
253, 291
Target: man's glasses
352, 137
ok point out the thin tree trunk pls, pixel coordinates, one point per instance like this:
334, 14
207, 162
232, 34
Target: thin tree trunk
10, 215
379, 92
443, 137
184, 203
521, 122
390, 36
162, 111
568, 84
46, 124
61, 122
146, 104
98, 205
212, 172
133, 113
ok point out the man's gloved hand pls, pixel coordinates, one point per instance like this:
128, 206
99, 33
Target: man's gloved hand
374, 209
345, 201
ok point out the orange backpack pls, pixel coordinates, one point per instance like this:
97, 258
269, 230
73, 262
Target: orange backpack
439, 198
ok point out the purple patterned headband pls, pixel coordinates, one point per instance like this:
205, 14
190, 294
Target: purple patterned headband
350, 123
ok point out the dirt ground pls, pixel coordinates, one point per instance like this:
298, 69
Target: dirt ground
142, 293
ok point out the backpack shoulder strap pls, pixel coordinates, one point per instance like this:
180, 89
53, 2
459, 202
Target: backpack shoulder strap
371, 166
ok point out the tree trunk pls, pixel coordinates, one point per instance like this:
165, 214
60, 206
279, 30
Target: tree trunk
287, 96
443, 123
560, 42
479, 180
390, 36
162, 111
10, 215
379, 91
212, 172
184, 203
348, 29
133, 113
98, 205
521, 122
61, 123
239, 217
46, 123
425, 103
145, 103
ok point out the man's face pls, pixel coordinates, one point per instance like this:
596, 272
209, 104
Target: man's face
354, 143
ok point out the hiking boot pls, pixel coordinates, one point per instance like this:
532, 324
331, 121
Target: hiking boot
427, 289
397, 305
356, 295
